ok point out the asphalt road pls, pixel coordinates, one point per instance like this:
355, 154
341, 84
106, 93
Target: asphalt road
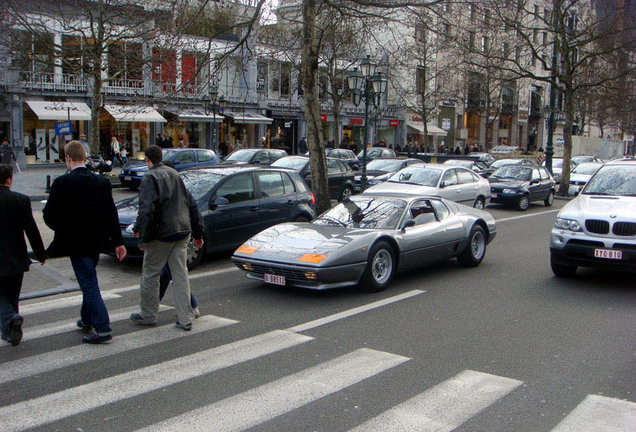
505, 346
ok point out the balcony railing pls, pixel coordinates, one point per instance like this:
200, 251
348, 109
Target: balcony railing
51, 81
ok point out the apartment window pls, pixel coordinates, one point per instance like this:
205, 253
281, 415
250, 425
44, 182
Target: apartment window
537, 11
545, 38
505, 50
447, 32
261, 75
533, 62
274, 78
487, 17
484, 43
518, 54
446, 6
544, 59
471, 40
472, 10
285, 79
421, 80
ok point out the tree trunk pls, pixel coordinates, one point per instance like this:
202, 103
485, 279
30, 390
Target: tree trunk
309, 72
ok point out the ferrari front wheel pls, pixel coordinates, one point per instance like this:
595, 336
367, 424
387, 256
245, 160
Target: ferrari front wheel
380, 268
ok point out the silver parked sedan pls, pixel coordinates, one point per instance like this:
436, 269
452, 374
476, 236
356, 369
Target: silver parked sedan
365, 240
453, 183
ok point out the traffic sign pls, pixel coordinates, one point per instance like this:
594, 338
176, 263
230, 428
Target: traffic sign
64, 128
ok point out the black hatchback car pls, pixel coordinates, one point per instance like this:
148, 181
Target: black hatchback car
518, 185
235, 203
339, 175
348, 156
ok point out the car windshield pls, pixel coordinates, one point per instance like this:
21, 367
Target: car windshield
462, 163
514, 172
613, 180
240, 156
368, 212
586, 168
417, 176
386, 165
199, 183
581, 159
293, 163
502, 162
168, 154
557, 163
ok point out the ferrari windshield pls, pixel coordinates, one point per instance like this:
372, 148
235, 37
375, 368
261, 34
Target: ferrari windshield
362, 211
613, 180
199, 182
417, 176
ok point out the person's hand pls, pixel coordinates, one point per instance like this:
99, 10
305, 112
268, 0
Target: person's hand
120, 251
198, 243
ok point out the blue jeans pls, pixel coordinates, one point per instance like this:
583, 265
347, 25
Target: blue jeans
10, 287
93, 311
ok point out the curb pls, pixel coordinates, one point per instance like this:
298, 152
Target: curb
62, 289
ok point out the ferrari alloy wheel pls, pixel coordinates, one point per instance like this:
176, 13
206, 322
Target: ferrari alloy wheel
475, 250
380, 268
479, 203
523, 203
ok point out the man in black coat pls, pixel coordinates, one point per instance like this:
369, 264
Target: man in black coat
16, 219
81, 211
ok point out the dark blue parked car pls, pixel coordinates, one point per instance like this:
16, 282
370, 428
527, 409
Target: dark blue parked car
181, 158
236, 202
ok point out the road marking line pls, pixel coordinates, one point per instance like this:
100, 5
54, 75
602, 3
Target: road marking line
341, 315
527, 216
444, 407
59, 303
271, 400
53, 360
67, 326
76, 400
191, 276
600, 414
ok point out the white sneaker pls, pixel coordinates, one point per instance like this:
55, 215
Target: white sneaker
197, 313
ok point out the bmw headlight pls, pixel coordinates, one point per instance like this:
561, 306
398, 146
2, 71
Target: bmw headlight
567, 224
509, 191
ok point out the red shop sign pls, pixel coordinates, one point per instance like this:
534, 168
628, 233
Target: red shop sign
323, 117
356, 121
394, 123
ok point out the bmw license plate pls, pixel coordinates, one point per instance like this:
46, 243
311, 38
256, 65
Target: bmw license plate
127, 178
608, 254
274, 279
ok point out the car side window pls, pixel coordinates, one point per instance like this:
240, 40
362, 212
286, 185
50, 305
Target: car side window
185, 157
333, 166
288, 184
261, 157
449, 178
535, 174
271, 184
204, 155
440, 208
422, 212
480, 165
237, 189
544, 174
465, 176
276, 155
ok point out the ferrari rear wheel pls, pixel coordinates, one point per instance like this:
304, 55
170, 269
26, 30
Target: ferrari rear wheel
474, 253
380, 268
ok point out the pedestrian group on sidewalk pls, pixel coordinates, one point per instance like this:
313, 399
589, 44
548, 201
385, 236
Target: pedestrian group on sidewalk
81, 202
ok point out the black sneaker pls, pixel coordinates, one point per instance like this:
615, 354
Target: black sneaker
97, 338
139, 320
186, 327
84, 327
15, 330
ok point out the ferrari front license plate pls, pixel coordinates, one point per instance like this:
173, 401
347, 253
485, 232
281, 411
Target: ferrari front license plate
274, 279
608, 254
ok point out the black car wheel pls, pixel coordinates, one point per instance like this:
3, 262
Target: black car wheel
523, 203
475, 251
549, 199
380, 268
194, 255
479, 203
347, 191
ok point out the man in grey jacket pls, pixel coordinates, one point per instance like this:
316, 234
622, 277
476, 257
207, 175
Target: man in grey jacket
163, 228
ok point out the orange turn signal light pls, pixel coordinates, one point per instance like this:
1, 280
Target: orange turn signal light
312, 258
246, 250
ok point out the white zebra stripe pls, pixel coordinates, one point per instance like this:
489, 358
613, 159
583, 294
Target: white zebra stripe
444, 407
59, 303
600, 414
271, 400
66, 403
53, 360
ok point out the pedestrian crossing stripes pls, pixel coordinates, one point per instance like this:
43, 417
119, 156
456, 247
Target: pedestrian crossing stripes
444, 407
95, 394
281, 396
600, 414
38, 364
59, 303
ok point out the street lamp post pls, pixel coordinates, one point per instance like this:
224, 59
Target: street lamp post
210, 105
367, 86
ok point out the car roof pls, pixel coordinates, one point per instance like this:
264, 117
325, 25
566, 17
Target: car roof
629, 161
231, 169
402, 195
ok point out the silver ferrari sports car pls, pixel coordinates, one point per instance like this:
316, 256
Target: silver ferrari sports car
365, 240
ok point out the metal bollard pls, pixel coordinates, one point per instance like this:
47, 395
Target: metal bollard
48, 183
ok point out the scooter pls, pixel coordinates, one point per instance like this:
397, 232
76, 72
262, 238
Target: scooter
97, 164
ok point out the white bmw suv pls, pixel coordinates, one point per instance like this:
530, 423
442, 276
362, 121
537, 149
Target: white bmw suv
598, 227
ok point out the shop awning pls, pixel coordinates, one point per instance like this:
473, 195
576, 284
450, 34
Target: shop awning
432, 130
248, 118
60, 110
134, 113
199, 115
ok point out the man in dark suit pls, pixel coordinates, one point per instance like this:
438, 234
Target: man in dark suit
81, 211
16, 219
